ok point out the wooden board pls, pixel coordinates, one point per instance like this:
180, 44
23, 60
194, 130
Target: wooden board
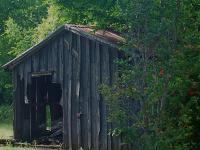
104, 57
85, 95
95, 97
67, 91
75, 92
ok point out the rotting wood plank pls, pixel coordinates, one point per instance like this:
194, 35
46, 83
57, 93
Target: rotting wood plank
25, 125
46, 53
14, 99
113, 77
67, 92
57, 59
35, 62
26, 109
60, 55
84, 95
78, 90
21, 70
92, 94
108, 81
64, 93
19, 100
50, 56
64, 106
75, 97
95, 80
88, 50
16, 93
61, 64
21, 107
83, 136
41, 59
104, 80
54, 61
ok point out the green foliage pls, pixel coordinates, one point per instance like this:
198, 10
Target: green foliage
18, 20
160, 74
20, 42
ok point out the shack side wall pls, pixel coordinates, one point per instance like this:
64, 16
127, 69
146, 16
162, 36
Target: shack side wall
80, 65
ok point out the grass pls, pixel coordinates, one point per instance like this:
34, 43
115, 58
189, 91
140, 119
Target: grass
6, 131
6, 128
15, 148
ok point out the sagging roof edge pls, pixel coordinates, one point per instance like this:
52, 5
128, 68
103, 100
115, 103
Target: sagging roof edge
11, 64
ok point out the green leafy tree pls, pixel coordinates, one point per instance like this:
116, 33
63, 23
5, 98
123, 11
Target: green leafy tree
17, 22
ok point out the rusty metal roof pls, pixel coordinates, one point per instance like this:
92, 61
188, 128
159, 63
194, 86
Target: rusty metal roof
108, 36
102, 36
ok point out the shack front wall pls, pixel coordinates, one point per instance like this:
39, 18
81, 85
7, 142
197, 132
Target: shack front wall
80, 65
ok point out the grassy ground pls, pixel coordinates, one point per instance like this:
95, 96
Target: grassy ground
15, 148
6, 129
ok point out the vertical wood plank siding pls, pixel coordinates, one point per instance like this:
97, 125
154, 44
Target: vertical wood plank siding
80, 65
66, 116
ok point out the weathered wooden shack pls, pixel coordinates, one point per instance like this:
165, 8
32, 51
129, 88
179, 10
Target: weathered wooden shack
63, 72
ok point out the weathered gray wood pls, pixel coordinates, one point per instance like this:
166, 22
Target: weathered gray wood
83, 134
67, 92
64, 95
95, 82
88, 42
54, 61
57, 60
46, 51
14, 99
41, 59
61, 64
35, 62
109, 124
25, 127
92, 94
50, 56
113, 78
75, 95
20, 101
18, 114
21, 70
60, 56
104, 80
21, 108
78, 115
26, 107
16, 95
27, 74
85, 96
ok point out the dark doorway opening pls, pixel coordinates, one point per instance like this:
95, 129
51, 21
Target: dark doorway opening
45, 110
